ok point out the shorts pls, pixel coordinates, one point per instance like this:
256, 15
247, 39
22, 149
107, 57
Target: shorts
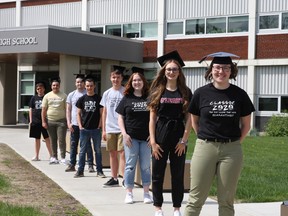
36, 130
114, 142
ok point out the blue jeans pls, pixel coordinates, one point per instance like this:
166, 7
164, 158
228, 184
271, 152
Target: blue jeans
85, 137
141, 150
74, 140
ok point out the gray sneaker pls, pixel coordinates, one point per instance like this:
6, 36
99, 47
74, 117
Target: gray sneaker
101, 175
70, 168
78, 174
91, 169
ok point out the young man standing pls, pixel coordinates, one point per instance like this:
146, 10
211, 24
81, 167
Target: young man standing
71, 116
89, 120
111, 131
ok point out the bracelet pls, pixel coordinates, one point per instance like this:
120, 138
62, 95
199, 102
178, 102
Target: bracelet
184, 142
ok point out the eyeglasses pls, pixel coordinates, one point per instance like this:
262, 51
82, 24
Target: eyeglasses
172, 69
224, 68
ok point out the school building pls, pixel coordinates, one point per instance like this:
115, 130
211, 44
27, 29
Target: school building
40, 39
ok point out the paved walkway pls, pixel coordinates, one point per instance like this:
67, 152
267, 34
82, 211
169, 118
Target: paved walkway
110, 201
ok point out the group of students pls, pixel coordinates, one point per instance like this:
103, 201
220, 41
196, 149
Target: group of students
141, 122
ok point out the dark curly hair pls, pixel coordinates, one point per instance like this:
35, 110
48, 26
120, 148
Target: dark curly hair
233, 75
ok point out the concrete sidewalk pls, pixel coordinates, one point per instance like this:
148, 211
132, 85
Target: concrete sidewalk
110, 201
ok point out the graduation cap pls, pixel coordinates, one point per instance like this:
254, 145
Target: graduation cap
220, 58
55, 79
118, 69
82, 76
40, 83
90, 76
137, 70
169, 56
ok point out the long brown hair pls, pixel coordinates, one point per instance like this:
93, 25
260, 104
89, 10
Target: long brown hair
159, 84
129, 90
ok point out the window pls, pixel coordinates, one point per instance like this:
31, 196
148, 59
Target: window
268, 104
269, 22
285, 21
113, 30
149, 29
97, 30
195, 26
131, 30
277, 104
238, 24
284, 104
175, 28
26, 89
216, 25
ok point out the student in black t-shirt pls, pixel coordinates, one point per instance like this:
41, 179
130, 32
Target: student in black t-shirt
133, 121
221, 114
169, 128
89, 121
35, 121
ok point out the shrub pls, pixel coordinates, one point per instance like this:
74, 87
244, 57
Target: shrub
277, 126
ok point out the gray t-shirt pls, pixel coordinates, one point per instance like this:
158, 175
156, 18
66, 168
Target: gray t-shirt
72, 99
110, 100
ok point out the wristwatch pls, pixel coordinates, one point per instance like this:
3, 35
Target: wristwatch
184, 142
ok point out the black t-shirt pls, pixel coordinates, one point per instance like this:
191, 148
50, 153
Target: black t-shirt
220, 111
90, 106
171, 105
36, 105
136, 116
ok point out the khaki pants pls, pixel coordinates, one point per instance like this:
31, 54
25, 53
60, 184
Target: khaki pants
210, 159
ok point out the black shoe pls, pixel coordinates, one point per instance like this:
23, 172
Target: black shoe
111, 183
78, 174
91, 169
70, 168
101, 175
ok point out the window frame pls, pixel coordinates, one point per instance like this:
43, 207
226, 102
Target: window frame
270, 113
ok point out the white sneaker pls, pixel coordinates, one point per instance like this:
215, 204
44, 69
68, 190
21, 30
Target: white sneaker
63, 161
177, 213
159, 213
129, 198
147, 198
53, 160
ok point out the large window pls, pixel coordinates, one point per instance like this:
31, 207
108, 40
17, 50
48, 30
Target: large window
113, 30
269, 22
277, 104
131, 30
195, 26
216, 25
238, 24
149, 29
97, 30
174, 28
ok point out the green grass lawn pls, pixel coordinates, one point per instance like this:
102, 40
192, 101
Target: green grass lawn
265, 172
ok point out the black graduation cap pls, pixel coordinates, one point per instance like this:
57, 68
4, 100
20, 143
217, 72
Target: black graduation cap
82, 76
118, 69
40, 82
137, 70
90, 76
220, 57
55, 79
169, 56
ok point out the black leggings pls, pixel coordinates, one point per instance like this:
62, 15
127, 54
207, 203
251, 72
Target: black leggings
177, 165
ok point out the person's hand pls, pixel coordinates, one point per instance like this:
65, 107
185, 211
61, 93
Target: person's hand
70, 128
44, 125
180, 149
104, 135
156, 151
127, 140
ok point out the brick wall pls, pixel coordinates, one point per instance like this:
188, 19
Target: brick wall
272, 46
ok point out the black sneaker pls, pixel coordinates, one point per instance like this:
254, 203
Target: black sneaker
101, 175
91, 169
111, 183
78, 174
70, 168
